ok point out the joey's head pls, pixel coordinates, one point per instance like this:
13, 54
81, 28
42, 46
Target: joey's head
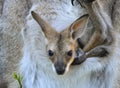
61, 46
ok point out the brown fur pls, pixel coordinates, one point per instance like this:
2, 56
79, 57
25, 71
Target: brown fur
102, 35
12, 19
105, 16
61, 43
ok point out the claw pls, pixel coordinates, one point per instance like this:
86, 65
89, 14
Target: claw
81, 2
78, 1
72, 1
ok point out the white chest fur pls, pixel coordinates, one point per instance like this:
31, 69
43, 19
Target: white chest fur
37, 72
36, 68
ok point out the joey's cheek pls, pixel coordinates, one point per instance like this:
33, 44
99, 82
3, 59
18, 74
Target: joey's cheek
53, 59
79, 58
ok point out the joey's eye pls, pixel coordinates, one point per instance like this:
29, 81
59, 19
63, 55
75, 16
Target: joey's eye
50, 53
69, 53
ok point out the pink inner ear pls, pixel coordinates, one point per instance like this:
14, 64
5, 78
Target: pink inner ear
76, 25
79, 26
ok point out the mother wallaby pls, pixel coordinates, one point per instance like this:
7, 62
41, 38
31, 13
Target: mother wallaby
47, 51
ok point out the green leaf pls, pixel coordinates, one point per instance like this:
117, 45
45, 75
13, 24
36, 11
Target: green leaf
18, 78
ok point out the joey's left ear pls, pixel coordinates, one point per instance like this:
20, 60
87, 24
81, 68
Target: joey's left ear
78, 27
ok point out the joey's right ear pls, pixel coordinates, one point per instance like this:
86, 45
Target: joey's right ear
78, 27
46, 28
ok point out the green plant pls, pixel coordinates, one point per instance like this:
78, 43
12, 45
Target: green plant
18, 78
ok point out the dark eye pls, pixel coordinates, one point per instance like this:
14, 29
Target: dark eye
50, 53
69, 53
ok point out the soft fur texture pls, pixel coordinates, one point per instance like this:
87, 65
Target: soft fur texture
36, 68
37, 71
12, 19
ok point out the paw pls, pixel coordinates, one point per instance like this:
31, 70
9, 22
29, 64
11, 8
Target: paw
103, 52
79, 60
97, 52
80, 57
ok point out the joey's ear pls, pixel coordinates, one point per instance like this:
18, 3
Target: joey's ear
78, 27
46, 28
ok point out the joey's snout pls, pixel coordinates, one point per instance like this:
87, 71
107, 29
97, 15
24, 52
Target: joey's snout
60, 68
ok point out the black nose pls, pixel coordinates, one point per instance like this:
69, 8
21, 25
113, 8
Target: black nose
60, 69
